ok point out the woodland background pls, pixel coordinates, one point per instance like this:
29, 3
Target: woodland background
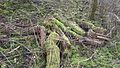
26, 31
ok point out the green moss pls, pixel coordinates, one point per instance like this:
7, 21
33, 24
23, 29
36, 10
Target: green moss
59, 24
53, 52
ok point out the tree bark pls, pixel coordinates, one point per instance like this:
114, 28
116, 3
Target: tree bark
94, 9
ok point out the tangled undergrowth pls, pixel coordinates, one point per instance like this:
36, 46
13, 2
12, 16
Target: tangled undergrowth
30, 37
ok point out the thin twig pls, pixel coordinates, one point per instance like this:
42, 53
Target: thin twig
115, 16
110, 33
14, 49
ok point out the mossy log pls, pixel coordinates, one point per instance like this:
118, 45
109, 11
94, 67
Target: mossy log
59, 24
53, 52
77, 29
74, 33
73, 26
62, 35
90, 25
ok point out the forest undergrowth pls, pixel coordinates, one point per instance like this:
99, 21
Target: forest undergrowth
52, 35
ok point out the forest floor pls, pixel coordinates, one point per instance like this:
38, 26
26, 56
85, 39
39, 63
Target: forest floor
27, 32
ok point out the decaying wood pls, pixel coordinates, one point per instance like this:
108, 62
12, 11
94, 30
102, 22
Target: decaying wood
99, 30
103, 38
94, 38
17, 31
90, 41
88, 24
95, 35
42, 36
52, 50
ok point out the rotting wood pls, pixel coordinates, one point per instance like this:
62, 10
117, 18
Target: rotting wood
52, 50
42, 36
94, 39
72, 28
93, 35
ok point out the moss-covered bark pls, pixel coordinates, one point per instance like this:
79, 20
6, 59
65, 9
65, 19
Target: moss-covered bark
73, 26
77, 29
53, 52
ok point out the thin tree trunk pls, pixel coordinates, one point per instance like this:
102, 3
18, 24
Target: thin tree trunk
94, 9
